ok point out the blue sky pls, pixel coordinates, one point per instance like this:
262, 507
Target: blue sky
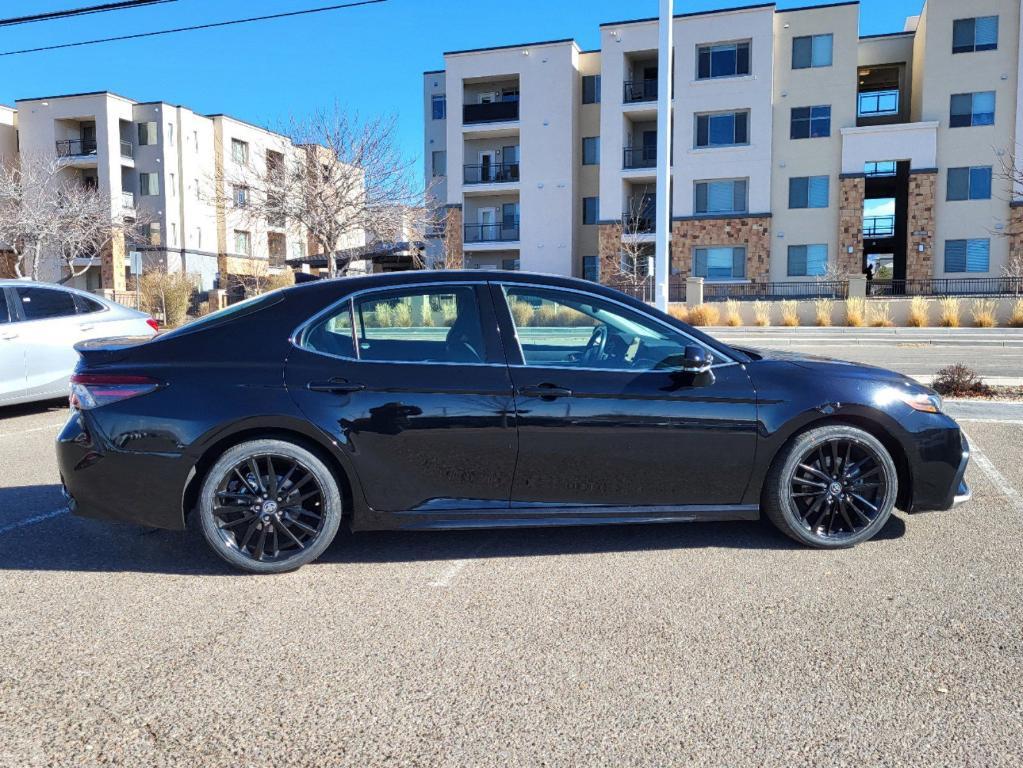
369, 58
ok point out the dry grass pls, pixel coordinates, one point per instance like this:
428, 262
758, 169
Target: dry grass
403, 315
919, 312
546, 316
789, 314
761, 313
277, 280
948, 317
985, 313
522, 313
704, 314
879, 315
166, 295
733, 314
855, 313
679, 312
573, 318
959, 381
823, 310
1016, 318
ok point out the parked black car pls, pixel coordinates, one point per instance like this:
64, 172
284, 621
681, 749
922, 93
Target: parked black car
470, 399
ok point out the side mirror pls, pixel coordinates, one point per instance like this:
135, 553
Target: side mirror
696, 359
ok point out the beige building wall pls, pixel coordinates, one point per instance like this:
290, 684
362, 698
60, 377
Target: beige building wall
8, 133
940, 74
833, 85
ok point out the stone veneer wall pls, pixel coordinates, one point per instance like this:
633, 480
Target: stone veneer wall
920, 225
7, 269
112, 263
609, 249
754, 232
454, 249
1016, 233
852, 194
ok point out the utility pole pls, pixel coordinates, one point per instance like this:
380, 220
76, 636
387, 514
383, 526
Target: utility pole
662, 228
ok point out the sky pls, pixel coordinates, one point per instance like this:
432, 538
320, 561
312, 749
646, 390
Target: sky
369, 59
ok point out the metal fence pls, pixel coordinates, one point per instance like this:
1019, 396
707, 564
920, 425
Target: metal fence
947, 286
806, 290
643, 289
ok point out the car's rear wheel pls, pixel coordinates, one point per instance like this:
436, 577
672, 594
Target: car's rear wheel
269, 506
833, 486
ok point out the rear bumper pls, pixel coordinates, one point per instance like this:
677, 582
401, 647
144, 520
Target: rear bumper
100, 481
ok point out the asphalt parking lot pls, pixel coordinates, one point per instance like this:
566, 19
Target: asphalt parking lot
712, 644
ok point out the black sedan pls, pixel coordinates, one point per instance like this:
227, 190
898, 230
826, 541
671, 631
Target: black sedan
433, 400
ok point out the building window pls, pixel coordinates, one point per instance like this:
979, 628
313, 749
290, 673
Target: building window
440, 162
979, 34
240, 195
812, 51
170, 134
726, 129
155, 237
591, 150
149, 184
591, 268
723, 60
147, 134
173, 233
439, 106
720, 263
590, 207
967, 255
240, 151
808, 260
298, 249
970, 109
811, 122
510, 265
591, 89
969, 183
172, 185
880, 168
878, 103
717, 197
809, 192
242, 242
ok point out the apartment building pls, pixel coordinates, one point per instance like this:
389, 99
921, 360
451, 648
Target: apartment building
187, 171
800, 149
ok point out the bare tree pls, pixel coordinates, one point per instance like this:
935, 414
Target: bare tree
630, 270
349, 178
45, 211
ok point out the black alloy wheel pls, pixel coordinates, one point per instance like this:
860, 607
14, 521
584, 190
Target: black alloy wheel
269, 506
833, 486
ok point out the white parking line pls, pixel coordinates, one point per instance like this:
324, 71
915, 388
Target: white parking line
990, 421
33, 520
457, 566
996, 477
33, 429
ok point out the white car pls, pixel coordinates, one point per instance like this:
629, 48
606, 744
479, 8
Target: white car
39, 325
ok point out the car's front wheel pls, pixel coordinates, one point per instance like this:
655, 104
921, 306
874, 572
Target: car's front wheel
269, 506
833, 486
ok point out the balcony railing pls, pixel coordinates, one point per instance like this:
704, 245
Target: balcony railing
878, 226
127, 200
492, 233
643, 288
127, 150
639, 90
76, 147
637, 225
491, 173
948, 286
639, 157
495, 112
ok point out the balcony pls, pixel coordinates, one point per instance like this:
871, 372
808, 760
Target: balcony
878, 227
493, 112
76, 148
639, 157
127, 200
638, 225
635, 91
127, 150
490, 173
502, 232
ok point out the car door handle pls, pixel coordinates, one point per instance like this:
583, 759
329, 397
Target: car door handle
335, 385
545, 391
86, 327
8, 336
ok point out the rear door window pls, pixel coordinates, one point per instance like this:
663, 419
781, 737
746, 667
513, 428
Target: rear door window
86, 305
45, 303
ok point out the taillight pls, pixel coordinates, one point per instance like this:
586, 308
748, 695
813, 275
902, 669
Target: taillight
92, 390
153, 323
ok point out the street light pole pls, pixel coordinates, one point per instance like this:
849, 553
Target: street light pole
662, 226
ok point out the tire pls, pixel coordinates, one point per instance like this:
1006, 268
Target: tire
269, 506
831, 487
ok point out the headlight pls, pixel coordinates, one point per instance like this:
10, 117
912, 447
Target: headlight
927, 402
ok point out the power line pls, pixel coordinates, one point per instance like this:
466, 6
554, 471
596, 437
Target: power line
71, 12
190, 29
